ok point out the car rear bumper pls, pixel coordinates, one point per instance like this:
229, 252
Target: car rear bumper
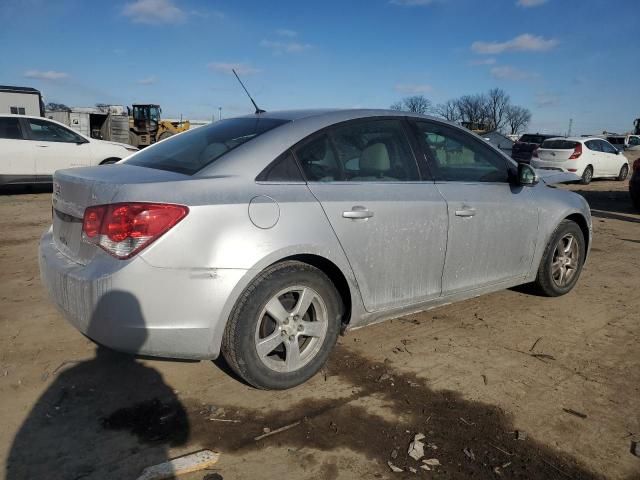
565, 166
134, 307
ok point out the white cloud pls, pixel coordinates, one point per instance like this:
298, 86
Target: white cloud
511, 73
240, 68
45, 75
285, 47
530, 3
412, 88
147, 81
522, 43
411, 3
483, 61
154, 12
284, 32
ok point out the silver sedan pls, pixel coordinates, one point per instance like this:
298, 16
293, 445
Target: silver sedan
263, 237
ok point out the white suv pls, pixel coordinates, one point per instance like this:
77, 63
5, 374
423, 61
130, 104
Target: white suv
588, 158
32, 148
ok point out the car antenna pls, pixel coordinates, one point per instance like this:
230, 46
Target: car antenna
258, 109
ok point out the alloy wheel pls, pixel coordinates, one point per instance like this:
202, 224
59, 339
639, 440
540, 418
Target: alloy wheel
291, 329
566, 260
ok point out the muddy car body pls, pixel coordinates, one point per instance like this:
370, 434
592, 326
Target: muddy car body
274, 232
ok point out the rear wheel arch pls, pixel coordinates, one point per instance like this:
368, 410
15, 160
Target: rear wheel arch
334, 273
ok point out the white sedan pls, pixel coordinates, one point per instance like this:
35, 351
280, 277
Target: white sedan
588, 158
32, 148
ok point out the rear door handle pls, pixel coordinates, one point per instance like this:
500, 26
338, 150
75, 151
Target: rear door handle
357, 212
466, 212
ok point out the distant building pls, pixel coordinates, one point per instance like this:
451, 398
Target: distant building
21, 101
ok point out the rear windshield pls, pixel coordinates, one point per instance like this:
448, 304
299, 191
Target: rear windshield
559, 144
528, 138
616, 140
195, 149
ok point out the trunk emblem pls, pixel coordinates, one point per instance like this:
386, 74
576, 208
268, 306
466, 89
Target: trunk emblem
56, 189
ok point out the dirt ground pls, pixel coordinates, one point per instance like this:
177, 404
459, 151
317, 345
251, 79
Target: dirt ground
563, 373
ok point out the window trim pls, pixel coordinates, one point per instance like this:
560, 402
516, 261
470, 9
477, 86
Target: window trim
423, 174
431, 162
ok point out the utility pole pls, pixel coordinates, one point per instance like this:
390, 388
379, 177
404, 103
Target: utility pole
219, 113
570, 125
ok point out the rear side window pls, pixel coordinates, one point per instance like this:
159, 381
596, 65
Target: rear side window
559, 144
360, 151
45, 131
283, 169
10, 129
593, 145
195, 149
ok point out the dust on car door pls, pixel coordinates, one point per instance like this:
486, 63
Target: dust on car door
389, 218
493, 222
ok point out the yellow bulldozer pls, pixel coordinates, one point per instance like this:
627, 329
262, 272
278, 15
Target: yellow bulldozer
146, 126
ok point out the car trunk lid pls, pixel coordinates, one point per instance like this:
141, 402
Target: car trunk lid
557, 150
76, 189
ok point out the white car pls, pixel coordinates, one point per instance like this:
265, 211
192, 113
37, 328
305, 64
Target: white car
588, 158
32, 148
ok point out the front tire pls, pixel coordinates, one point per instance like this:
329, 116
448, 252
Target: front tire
562, 260
587, 175
283, 326
624, 172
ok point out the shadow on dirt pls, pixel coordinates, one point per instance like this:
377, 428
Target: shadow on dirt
25, 189
450, 423
605, 203
71, 432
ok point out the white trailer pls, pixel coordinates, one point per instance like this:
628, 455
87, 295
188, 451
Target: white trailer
103, 123
21, 101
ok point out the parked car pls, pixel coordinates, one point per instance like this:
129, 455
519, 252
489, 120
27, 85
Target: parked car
634, 185
262, 237
32, 148
523, 148
589, 158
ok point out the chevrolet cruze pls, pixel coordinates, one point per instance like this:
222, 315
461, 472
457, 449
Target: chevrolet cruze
263, 237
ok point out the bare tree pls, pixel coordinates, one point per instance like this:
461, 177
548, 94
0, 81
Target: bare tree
448, 110
498, 103
415, 103
517, 118
474, 112
57, 107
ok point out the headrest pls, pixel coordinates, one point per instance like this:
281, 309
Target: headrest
375, 157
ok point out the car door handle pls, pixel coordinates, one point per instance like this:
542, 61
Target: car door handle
357, 212
466, 212
42, 146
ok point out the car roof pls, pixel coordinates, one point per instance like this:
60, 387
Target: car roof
331, 113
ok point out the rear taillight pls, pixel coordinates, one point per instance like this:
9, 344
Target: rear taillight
534, 154
124, 229
577, 151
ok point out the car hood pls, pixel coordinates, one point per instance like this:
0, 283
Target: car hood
551, 177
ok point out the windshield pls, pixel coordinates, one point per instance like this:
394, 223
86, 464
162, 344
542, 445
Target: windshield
195, 149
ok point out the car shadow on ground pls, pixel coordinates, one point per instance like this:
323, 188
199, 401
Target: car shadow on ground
71, 431
609, 204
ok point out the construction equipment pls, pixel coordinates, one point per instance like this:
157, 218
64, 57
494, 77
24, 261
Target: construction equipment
146, 126
636, 123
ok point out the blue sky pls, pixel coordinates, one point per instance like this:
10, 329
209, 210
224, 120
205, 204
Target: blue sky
560, 58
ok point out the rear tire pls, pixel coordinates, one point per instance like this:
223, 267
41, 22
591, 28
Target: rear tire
624, 172
587, 175
562, 260
264, 341
165, 134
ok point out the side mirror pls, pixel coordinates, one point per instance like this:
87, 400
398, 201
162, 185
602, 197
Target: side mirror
527, 175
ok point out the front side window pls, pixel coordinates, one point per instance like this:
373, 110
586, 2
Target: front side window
195, 149
360, 151
10, 128
607, 147
458, 157
44, 131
